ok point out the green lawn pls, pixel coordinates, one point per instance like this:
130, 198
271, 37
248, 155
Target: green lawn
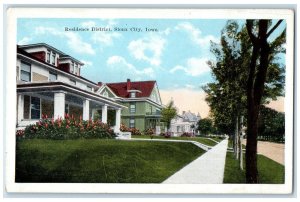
202, 140
270, 172
101, 161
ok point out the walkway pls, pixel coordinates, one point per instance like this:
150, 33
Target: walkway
207, 169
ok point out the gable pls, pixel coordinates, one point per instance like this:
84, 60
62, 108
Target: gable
106, 92
155, 96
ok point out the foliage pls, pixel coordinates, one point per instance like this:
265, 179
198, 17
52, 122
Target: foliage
149, 131
166, 134
168, 113
205, 126
67, 128
101, 160
271, 125
186, 134
134, 131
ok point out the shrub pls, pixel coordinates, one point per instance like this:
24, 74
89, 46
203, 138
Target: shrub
149, 131
185, 134
68, 128
166, 135
134, 131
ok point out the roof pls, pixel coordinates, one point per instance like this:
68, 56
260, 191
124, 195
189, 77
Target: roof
189, 116
23, 52
120, 89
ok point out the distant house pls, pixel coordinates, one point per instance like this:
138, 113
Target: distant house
185, 123
49, 83
142, 99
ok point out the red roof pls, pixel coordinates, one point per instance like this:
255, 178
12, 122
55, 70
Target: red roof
120, 89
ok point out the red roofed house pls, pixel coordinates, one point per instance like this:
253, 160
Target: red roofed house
49, 83
142, 99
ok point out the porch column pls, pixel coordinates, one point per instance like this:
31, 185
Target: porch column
20, 107
104, 114
118, 120
59, 105
86, 109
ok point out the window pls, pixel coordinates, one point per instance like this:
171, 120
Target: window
131, 123
25, 72
89, 88
75, 68
72, 67
73, 82
132, 95
132, 108
105, 94
48, 56
53, 59
52, 76
35, 108
67, 109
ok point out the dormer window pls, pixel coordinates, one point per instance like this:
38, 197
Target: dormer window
72, 68
53, 58
48, 56
132, 94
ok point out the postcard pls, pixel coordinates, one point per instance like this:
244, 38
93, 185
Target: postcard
149, 101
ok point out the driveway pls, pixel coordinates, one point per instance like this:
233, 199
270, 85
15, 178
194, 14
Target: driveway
274, 151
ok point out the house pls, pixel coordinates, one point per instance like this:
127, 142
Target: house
49, 82
142, 100
185, 123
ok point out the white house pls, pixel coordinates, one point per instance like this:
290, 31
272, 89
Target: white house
185, 123
49, 83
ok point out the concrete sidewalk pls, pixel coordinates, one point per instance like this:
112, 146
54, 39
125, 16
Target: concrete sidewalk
207, 169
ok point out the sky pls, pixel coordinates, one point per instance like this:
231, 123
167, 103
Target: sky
174, 52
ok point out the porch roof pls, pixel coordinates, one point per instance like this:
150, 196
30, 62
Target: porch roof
60, 86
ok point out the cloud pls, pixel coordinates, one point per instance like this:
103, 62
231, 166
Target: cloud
74, 41
105, 38
148, 49
127, 68
196, 34
87, 63
194, 67
25, 40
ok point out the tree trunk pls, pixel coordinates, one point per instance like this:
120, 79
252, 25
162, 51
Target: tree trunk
240, 143
255, 89
251, 147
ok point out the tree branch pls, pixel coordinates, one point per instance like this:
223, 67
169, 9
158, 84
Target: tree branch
275, 26
249, 25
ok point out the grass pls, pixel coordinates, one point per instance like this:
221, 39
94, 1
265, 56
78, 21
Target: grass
230, 144
101, 161
270, 172
202, 140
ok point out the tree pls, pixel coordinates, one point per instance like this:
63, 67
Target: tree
271, 124
205, 126
168, 113
263, 53
227, 96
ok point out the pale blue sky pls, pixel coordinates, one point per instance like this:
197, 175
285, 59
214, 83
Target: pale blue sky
175, 56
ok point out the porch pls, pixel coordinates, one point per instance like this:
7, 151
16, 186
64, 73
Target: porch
55, 99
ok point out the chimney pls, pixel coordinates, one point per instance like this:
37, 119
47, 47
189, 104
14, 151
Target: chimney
128, 85
99, 83
183, 112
